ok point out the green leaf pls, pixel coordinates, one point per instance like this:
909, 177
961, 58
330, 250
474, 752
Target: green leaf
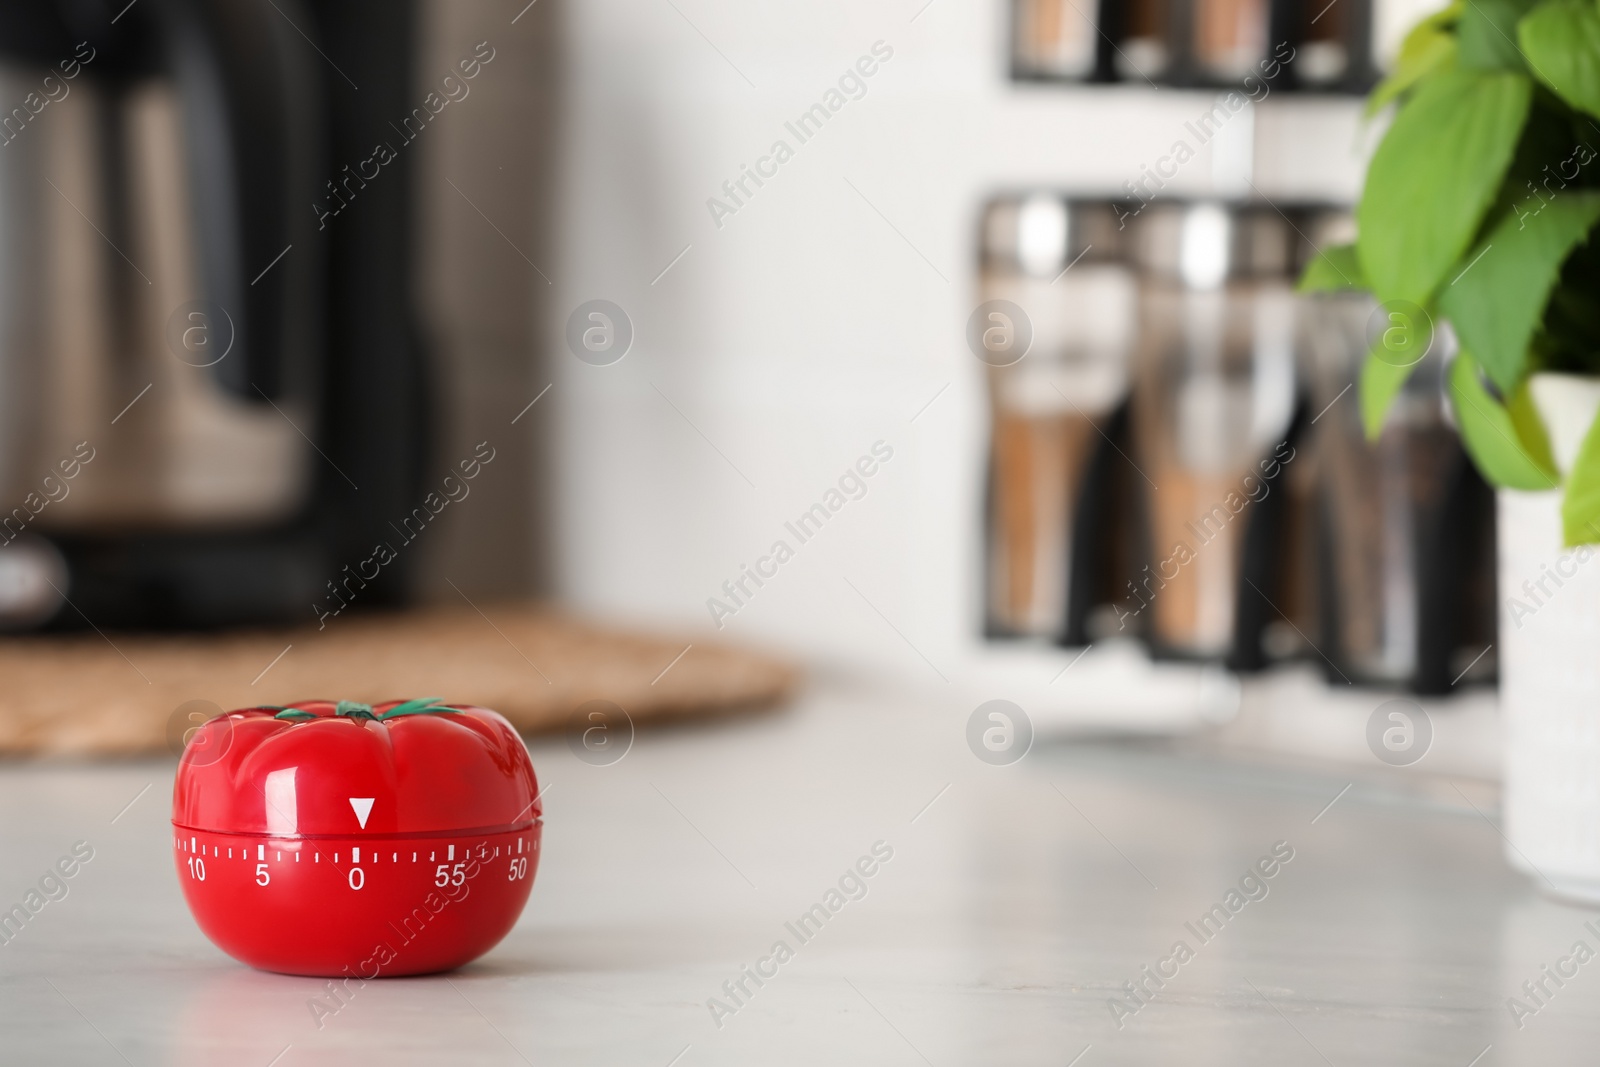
1490, 434
1434, 176
1562, 43
1497, 300
1430, 46
1404, 335
1333, 268
1580, 506
1381, 381
1530, 429
1488, 34
420, 706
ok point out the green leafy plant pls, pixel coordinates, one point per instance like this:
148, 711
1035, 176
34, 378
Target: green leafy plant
1478, 209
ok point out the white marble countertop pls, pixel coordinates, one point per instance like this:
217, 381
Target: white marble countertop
1018, 901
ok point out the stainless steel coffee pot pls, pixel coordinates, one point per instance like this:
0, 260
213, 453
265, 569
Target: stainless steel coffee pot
159, 276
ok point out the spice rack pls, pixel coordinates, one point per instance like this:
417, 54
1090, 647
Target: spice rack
1170, 462
1257, 46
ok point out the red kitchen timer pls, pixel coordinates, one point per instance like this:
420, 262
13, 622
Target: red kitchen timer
344, 839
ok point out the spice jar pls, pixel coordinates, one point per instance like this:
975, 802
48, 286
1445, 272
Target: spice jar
1213, 396
1407, 523
1143, 31
1059, 263
1230, 37
1055, 38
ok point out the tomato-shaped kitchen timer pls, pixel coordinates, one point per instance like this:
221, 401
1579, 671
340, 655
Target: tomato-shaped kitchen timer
344, 839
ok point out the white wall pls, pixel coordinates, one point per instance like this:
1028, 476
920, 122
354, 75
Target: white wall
806, 328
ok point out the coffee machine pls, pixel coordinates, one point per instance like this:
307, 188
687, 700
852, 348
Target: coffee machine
212, 392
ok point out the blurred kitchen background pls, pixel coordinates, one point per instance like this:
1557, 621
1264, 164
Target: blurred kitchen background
622, 361
1005, 288
1003, 154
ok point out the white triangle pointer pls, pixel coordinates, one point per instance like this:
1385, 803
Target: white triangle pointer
362, 807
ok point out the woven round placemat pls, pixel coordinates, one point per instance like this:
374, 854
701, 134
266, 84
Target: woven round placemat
116, 694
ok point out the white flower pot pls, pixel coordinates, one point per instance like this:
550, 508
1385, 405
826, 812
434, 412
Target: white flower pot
1549, 632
